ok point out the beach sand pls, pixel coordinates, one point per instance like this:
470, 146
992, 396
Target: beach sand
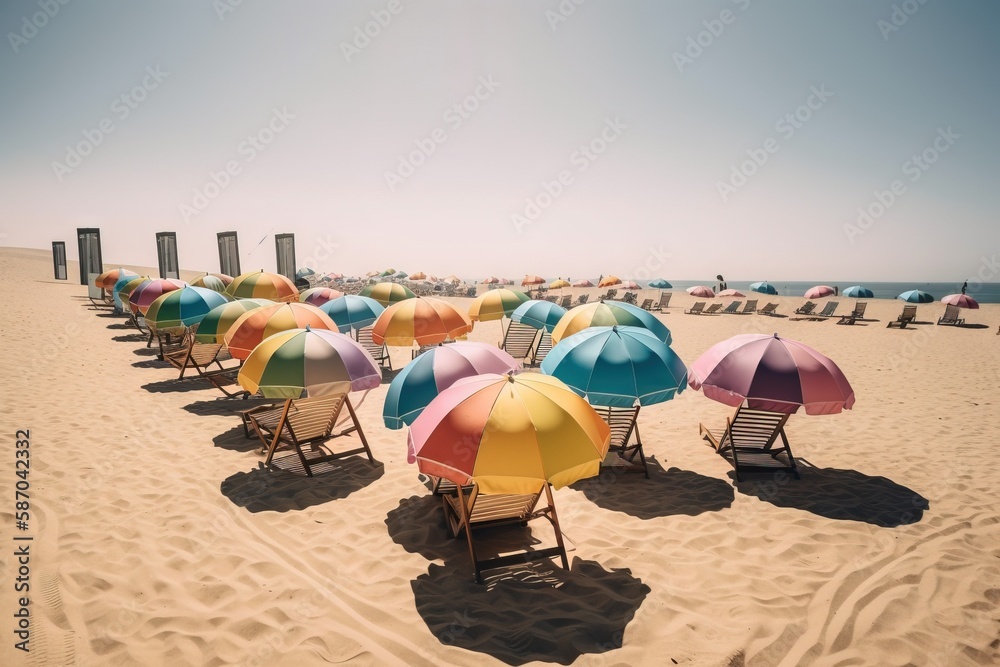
159, 539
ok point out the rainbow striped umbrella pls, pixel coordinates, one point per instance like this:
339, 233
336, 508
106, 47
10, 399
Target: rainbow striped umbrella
352, 312
211, 282
421, 321
317, 296
217, 322
308, 362
252, 327
147, 292
108, 279
183, 308
496, 304
387, 293
539, 314
263, 285
606, 314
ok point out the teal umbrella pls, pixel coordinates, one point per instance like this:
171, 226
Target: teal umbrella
660, 283
764, 287
858, 292
539, 314
304, 272
184, 307
125, 278
352, 312
915, 296
617, 366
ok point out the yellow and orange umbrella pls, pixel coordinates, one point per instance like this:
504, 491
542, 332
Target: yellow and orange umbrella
557, 284
419, 275
263, 285
496, 304
387, 293
608, 281
254, 326
108, 279
421, 321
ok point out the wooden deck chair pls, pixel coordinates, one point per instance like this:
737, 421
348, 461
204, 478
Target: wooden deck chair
806, 309
472, 510
303, 422
623, 427
629, 297
169, 342
582, 299
908, 315
610, 296
542, 347
224, 381
733, 307
711, 310
566, 301
749, 308
551, 298
857, 314
952, 316
197, 356
769, 309
828, 310
647, 304
518, 340
380, 353
664, 301
749, 439
697, 309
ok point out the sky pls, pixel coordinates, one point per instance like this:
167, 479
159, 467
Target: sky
784, 140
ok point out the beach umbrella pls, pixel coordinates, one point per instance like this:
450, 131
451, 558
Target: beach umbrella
400, 275
433, 279
183, 308
317, 296
387, 293
559, 284
772, 374
453, 279
532, 280
252, 327
960, 300
509, 434
335, 276
608, 281
352, 312
373, 274
583, 283
858, 292
419, 275
125, 291
491, 281
263, 285
915, 296
108, 279
216, 324
388, 272
630, 284
606, 314
496, 304
305, 272
819, 292
701, 292
422, 321
539, 314
122, 282
352, 279
147, 292
308, 362
432, 372
764, 287
660, 283
730, 292
505, 281
617, 366
211, 282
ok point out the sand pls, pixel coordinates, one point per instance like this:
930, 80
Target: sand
159, 538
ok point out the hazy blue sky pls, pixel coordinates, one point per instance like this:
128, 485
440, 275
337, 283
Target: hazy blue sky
690, 137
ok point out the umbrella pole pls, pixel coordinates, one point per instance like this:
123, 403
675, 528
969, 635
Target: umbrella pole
554, 518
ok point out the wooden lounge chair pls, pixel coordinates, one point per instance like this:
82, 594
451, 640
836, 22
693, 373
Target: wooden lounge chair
308, 422
542, 347
857, 314
629, 297
713, 309
749, 308
197, 356
769, 309
623, 427
908, 316
748, 442
224, 381
647, 304
828, 310
551, 298
518, 340
610, 296
952, 316
380, 353
806, 309
472, 510
664, 301
566, 301
733, 307
697, 309
582, 299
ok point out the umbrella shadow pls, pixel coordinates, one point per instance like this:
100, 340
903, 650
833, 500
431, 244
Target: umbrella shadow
845, 495
669, 492
282, 489
176, 385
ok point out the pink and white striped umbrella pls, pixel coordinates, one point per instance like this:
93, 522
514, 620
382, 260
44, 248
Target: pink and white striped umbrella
730, 292
819, 292
701, 292
960, 300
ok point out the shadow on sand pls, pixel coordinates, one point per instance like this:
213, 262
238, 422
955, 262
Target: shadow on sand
285, 489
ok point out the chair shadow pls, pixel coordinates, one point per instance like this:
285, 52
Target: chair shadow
223, 406
130, 338
147, 352
151, 363
123, 325
235, 440
278, 490
669, 492
175, 386
846, 495
973, 326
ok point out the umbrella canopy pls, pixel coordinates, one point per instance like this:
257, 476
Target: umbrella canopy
858, 292
147, 292
539, 314
608, 281
509, 434
915, 296
422, 321
122, 283
308, 362
608, 314
432, 372
764, 287
701, 292
730, 292
399, 275
263, 285
630, 284
492, 280
305, 272
211, 282
183, 308
387, 293
559, 284
108, 279
819, 292
532, 280
660, 283
252, 327
216, 324
388, 272
496, 304
373, 274
352, 312
505, 281
960, 300
582, 283
773, 374
419, 275
617, 366
317, 296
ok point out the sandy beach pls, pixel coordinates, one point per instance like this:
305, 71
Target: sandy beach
159, 538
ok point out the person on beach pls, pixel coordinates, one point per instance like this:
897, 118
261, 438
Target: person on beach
965, 286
